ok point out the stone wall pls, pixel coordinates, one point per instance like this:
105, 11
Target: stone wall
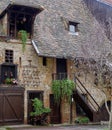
31, 73
50, 32
30, 76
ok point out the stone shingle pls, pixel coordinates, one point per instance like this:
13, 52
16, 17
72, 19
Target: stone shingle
52, 38
109, 2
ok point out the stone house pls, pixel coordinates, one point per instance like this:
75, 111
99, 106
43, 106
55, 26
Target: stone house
60, 33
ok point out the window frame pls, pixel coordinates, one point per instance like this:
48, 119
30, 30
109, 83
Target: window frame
9, 56
7, 71
73, 28
21, 17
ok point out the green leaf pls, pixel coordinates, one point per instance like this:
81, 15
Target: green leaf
38, 108
63, 89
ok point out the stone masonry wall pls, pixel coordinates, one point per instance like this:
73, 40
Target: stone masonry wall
31, 75
50, 31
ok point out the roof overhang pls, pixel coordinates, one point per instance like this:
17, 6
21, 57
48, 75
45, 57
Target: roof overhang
42, 54
35, 46
22, 7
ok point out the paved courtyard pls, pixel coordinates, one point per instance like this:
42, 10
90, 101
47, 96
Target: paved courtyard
75, 127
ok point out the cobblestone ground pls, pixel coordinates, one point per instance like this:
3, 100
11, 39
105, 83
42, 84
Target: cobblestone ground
89, 127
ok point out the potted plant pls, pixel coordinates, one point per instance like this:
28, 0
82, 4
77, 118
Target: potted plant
23, 36
8, 81
11, 81
39, 113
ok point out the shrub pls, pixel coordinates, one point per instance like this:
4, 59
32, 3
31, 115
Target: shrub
82, 120
39, 114
38, 108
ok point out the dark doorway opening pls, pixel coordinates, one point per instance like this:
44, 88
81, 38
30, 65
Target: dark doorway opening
32, 95
79, 109
55, 115
61, 68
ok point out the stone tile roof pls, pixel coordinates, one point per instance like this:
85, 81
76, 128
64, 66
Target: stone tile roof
51, 38
8, 4
109, 2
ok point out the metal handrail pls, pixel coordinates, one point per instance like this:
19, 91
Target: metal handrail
76, 79
61, 76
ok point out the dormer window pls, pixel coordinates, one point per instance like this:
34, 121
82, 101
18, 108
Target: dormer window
73, 28
20, 17
70, 26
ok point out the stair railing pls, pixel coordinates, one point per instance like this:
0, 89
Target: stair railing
84, 90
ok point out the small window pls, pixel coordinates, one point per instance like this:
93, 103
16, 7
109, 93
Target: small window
8, 71
9, 56
44, 61
73, 27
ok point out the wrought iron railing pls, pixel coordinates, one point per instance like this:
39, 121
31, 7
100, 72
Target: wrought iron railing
79, 87
83, 89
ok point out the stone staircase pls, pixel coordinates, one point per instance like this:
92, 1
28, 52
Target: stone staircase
93, 106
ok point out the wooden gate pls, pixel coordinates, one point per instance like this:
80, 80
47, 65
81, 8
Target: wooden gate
11, 105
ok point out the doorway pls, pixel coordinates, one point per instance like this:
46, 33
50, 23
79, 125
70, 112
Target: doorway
61, 68
32, 95
55, 115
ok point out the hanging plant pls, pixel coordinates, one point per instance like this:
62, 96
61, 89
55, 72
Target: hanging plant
63, 89
56, 89
67, 87
23, 36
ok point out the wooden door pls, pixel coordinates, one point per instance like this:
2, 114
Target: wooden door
11, 105
55, 116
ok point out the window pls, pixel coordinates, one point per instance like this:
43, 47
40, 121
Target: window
44, 61
21, 18
73, 27
9, 56
8, 71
